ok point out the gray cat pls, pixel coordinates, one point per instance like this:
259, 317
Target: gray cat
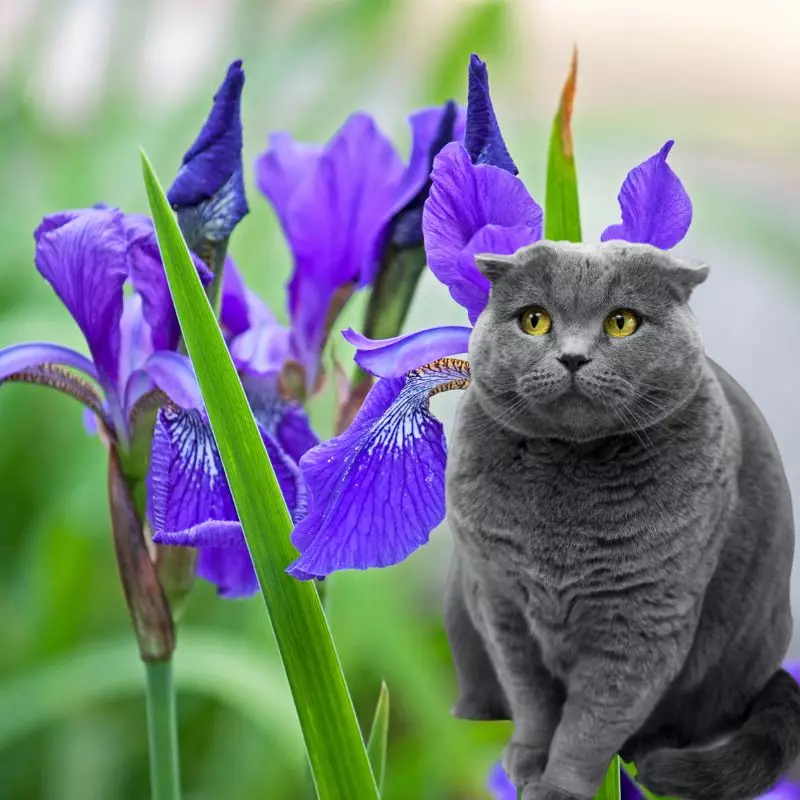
623, 533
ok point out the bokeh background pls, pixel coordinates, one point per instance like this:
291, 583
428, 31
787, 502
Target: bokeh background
83, 83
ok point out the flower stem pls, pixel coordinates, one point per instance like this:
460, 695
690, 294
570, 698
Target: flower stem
162, 731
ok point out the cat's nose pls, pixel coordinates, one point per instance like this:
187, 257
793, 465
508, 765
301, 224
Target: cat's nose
573, 361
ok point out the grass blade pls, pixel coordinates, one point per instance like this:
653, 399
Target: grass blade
379, 737
332, 737
610, 790
562, 217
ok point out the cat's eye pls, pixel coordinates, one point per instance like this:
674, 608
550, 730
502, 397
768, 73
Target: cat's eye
620, 323
535, 321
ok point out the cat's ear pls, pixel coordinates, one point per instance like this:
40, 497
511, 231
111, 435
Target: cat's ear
493, 266
686, 273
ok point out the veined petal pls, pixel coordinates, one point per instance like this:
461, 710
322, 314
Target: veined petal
189, 501
378, 489
392, 358
464, 199
483, 140
469, 288
656, 209
83, 255
241, 307
210, 181
20, 357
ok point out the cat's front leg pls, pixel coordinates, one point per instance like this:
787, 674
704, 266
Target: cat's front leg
610, 695
533, 695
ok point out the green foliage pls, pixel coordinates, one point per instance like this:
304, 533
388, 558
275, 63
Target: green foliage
333, 741
562, 219
610, 790
379, 738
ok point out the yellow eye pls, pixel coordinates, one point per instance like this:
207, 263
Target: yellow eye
620, 323
535, 321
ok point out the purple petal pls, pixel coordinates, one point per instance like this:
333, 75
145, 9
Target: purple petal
189, 501
282, 168
465, 199
469, 288
628, 789
20, 357
378, 489
136, 338
432, 129
174, 375
83, 255
783, 790
150, 280
499, 784
241, 307
210, 180
655, 207
483, 139
335, 222
261, 350
230, 569
392, 358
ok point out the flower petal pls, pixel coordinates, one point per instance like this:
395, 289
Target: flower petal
189, 501
20, 357
150, 281
656, 209
282, 168
783, 790
432, 129
261, 350
335, 222
229, 569
499, 784
378, 489
210, 181
83, 255
174, 375
464, 199
471, 289
483, 139
241, 307
392, 358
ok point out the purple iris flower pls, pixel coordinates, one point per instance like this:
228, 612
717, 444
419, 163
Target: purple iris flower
88, 256
377, 489
337, 205
208, 191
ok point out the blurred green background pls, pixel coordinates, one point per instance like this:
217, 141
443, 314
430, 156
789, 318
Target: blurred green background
84, 83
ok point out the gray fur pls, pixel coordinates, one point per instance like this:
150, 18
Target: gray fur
623, 536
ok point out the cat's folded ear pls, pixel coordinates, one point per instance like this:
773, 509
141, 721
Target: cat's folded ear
493, 266
686, 273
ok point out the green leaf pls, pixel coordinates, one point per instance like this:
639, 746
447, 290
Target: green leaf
379, 737
562, 217
333, 740
610, 790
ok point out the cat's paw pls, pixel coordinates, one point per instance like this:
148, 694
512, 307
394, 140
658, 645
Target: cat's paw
543, 791
523, 764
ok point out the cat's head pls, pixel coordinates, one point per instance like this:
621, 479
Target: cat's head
582, 341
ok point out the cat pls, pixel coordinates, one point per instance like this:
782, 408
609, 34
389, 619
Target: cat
623, 534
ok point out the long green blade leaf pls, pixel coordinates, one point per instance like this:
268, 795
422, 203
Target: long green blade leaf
379, 738
562, 217
610, 790
333, 740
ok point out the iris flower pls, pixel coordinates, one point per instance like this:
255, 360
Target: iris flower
338, 205
377, 490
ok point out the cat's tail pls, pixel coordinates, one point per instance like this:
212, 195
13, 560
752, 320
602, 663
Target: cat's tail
746, 765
